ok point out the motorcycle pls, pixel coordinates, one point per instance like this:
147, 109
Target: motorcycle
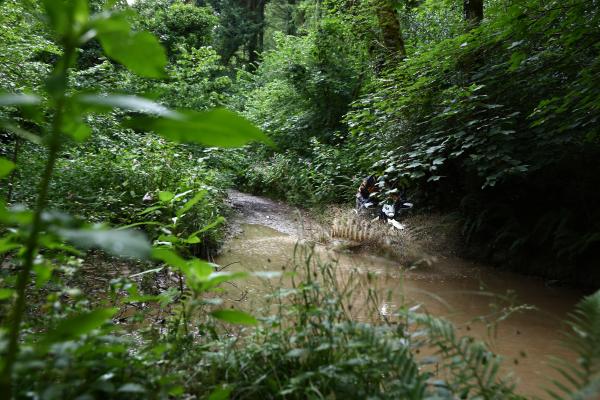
389, 213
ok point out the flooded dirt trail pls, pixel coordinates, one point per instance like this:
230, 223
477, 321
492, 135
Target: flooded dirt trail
264, 235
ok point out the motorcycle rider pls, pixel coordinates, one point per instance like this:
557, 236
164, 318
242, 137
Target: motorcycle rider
367, 188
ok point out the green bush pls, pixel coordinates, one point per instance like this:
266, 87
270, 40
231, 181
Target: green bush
500, 122
305, 85
324, 176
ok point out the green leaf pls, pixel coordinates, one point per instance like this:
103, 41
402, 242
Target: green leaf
6, 166
43, 273
516, 59
219, 127
22, 133
9, 99
192, 240
195, 270
177, 391
219, 220
140, 52
169, 257
180, 196
221, 393
191, 203
126, 243
295, 353
7, 245
58, 14
216, 278
198, 270
148, 271
73, 327
62, 13
132, 388
6, 293
76, 128
17, 215
130, 103
235, 317
165, 196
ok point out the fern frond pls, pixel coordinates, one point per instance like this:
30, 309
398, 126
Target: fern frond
583, 377
473, 369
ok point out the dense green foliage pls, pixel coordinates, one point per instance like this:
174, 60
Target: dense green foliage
500, 122
497, 120
114, 163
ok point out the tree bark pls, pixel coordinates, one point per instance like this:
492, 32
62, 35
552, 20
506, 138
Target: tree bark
256, 42
473, 12
13, 174
390, 28
391, 34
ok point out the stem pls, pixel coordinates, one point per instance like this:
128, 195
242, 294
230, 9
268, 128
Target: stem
54, 143
13, 174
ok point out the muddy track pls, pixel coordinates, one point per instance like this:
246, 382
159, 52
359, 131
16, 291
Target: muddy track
255, 210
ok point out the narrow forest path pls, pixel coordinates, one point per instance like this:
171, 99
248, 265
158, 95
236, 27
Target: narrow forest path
257, 210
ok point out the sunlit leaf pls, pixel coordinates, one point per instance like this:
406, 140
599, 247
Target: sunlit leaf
20, 132
63, 14
6, 293
6, 166
267, 274
43, 273
220, 393
165, 196
216, 278
219, 127
7, 245
126, 243
191, 203
295, 353
235, 317
129, 103
219, 220
140, 52
18, 100
169, 257
192, 240
132, 388
149, 271
73, 327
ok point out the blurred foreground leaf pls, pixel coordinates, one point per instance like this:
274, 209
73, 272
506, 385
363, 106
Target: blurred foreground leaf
140, 52
219, 127
18, 99
73, 327
6, 167
235, 317
126, 243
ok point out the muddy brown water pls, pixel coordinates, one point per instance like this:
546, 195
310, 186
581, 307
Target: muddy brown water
266, 233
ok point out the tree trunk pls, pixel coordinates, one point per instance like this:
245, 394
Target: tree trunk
255, 44
473, 12
13, 174
390, 32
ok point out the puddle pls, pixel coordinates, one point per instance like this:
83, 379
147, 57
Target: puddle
450, 287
